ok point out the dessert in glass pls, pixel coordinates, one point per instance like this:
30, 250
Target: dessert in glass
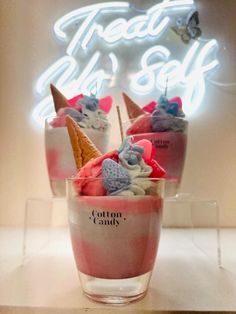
115, 211
164, 125
91, 114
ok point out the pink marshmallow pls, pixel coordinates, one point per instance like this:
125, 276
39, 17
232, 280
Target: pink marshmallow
73, 101
177, 100
149, 150
150, 107
105, 104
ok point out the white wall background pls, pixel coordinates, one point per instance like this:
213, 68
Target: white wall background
28, 47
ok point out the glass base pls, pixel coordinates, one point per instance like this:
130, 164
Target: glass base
115, 291
58, 188
171, 188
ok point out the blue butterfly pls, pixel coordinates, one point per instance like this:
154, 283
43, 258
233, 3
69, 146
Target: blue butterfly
188, 28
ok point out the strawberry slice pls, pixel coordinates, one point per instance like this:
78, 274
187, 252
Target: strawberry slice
157, 170
150, 107
73, 101
176, 100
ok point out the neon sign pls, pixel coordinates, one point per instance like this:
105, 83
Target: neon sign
92, 58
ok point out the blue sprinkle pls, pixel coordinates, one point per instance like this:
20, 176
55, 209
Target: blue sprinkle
163, 101
173, 109
91, 103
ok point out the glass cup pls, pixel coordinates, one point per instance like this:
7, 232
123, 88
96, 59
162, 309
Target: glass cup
59, 154
59, 157
170, 154
115, 240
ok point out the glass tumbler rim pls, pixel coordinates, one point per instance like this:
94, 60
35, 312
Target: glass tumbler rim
81, 187
71, 179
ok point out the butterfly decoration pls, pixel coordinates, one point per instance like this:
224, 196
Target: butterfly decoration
188, 28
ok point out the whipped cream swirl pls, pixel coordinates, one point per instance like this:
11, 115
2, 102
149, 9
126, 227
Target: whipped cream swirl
93, 117
96, 119
168, 117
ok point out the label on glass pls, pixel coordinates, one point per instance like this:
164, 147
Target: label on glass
106, 218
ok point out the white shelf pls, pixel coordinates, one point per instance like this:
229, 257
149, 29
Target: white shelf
184, 278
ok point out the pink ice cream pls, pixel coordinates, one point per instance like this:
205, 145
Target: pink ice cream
129, 162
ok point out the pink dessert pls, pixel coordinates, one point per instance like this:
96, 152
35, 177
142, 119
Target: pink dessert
115, 210
91, 114
170, 154
163, 124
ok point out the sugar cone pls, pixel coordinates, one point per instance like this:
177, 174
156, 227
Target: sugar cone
59, 99
133, 109
84, 150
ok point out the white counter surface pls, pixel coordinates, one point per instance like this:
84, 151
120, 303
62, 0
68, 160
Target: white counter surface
185, 278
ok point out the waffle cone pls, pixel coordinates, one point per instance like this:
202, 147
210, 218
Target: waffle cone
83, 148
132, 108
59, 99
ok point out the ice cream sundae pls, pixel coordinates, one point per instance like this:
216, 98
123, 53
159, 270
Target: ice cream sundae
162, 122
91, 114
115, 207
